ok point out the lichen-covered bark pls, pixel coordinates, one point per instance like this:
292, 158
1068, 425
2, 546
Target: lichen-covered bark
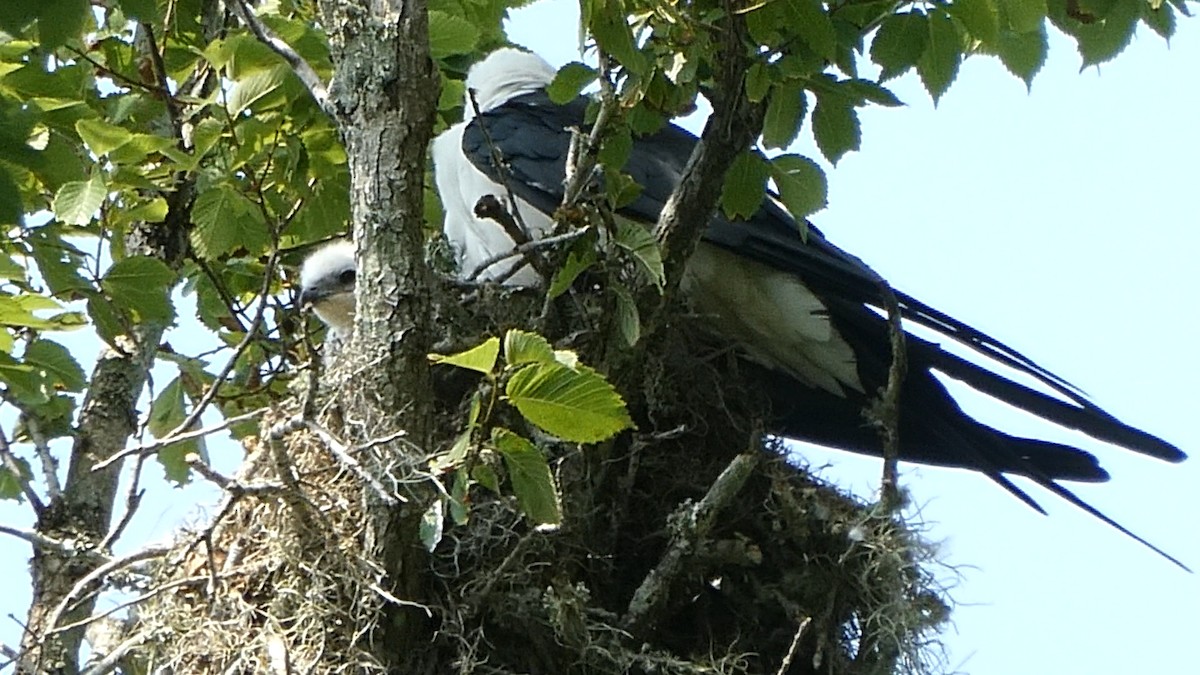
384, 91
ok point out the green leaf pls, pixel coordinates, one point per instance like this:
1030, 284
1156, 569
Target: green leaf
745, 185
100, 136
225, 220
141, 286
10, 483
145, 11
758, 81
524, 347
617, 146
60, 21
899, 43
866, 90
59, 367
1026, 16
980, 17
432, 523
938, 66
12, 210
450, 35
1023, 54
802, 184
532, 481
576, 405
614, 35
76, 202
627, 317
1103, 40
1161, 20
481, 358
581, 257
256, 87
640, 243
812, 24
569, 81
785, 114
167, 412
835, 127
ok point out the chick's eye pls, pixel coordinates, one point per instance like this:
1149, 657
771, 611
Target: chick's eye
347, 277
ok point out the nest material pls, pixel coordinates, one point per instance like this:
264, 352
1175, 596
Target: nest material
793, 576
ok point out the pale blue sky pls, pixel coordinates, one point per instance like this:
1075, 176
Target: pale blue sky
1065, 222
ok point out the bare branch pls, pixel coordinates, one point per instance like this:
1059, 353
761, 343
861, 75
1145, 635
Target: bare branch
523, 249
692, 528
36, 538
885, 413
338, 450
308, 76
80, 589
178, 436
45, 457
794, 646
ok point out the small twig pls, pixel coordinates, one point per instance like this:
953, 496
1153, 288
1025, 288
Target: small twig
794, 647
581, 161
133, 499
887, 412
519, 232
34, 537
9, 460
523, 249
100, 572
693, 528
234, 487
45, 457
113, 658
338, 450
307, 74
177, 436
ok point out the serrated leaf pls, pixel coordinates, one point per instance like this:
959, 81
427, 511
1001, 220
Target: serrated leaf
614, 35
167, 412
570, 81
576, 405
980, 17
256, 86
60, 368
1103, 40
450, 35
432, 524
481, 358
866, 90
1024, 16
640, 243
627, 317
524, 347
1160, 19
785, 114
899, 43
141, 285
532, 481
618, 144
76, 202
1023, 54
938, 66
745, 185
812, 24
803, 188
758, 82
10, 482
60, 21
835, 128
100, 136
581, 257
145, 11
225, 220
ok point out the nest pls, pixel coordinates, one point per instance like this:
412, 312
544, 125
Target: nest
785, 574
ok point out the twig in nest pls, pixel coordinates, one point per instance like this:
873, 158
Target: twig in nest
885, 414
338, 450
176, 436
792, 648
522, 250
697, 520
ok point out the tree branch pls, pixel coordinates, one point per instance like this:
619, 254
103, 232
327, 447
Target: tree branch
308, 76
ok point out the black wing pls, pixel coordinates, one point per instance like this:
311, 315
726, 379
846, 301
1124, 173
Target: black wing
532, 134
